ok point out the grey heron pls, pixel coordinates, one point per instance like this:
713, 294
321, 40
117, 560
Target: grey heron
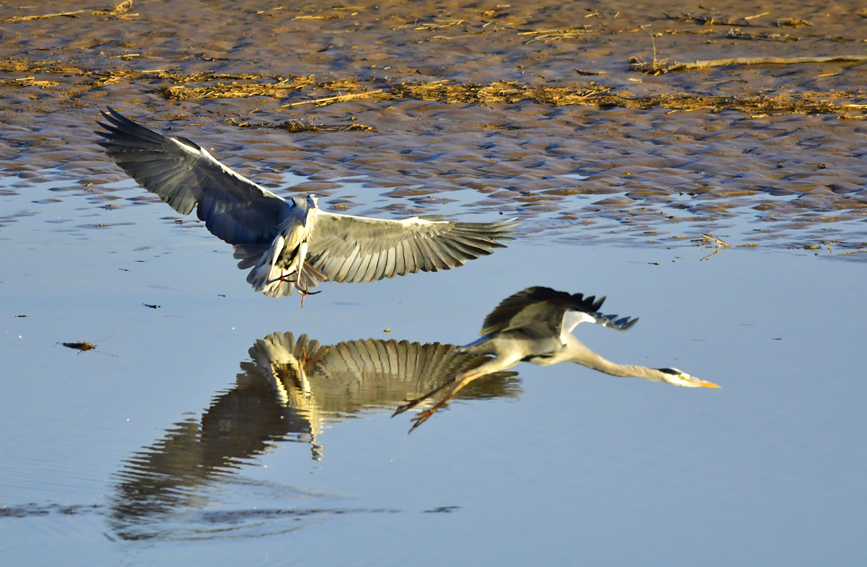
535, 325
291, 243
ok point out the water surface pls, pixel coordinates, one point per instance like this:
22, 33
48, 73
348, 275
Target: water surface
104, 449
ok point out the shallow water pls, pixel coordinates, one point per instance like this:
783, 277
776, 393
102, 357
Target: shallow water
146, 449
171, 442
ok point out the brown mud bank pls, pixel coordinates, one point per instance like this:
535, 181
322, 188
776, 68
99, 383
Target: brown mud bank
638, 122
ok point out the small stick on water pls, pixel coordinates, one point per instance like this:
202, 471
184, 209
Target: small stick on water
118, 10
719, 243
333, 99
656, 69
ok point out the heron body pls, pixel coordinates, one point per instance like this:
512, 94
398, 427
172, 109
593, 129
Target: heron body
289, 244
282, 266
535, 325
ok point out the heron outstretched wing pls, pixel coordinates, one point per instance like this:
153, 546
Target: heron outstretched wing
571, 319
358, 249
185, 175
541, 308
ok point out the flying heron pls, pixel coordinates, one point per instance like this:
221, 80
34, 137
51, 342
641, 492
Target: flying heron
289, 243
535, 325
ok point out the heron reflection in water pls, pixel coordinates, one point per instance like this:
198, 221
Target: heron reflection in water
291, 389
289, 244
535, 325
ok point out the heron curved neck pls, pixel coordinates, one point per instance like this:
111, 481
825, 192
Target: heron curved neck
580, 354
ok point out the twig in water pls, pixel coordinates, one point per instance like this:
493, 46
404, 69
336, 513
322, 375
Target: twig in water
719, 243
653, 69
333, 99
119, 10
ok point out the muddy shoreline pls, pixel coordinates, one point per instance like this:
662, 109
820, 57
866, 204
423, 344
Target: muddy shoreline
543, 113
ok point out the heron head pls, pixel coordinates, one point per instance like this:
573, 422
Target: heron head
310, 205
681, 378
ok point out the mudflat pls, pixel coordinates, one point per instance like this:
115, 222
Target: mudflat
641, 122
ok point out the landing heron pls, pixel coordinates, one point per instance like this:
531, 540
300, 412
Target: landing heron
535, 325
291, 243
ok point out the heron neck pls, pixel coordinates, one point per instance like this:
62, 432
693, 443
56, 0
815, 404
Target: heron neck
586, 357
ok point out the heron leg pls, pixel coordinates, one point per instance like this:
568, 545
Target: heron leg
455, 385
304, 292
412, 403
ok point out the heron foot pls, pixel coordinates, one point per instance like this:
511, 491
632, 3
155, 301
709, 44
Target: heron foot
412, 403
420, 418
454, 386
304, 293
425, 415
403, 407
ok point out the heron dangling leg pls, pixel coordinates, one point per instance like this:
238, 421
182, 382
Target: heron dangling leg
457, 384
304, 292
412, 403
284, 278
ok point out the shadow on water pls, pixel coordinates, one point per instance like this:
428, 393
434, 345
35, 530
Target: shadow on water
290, 390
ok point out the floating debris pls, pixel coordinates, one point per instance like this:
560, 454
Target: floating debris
85, 345
80, 346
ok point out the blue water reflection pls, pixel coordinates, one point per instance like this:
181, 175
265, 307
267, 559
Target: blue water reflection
582, 468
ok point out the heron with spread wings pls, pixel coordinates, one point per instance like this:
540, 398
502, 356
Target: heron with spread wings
535, 325
289, 244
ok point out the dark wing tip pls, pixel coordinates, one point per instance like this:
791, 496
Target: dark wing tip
622, 324
573, 302
578, 302
117, 129
557, 302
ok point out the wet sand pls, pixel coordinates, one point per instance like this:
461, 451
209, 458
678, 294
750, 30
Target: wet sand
534, 111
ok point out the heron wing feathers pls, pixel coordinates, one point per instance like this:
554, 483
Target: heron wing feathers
185, 175
350, 248
547, 312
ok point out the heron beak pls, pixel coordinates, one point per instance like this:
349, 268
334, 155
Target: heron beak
684, 379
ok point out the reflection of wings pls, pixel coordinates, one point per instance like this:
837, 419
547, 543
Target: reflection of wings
289, 391
354, 376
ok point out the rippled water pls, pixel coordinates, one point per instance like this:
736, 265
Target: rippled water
177, 440
169, 443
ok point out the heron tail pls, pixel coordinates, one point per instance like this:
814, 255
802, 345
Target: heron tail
270, 279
